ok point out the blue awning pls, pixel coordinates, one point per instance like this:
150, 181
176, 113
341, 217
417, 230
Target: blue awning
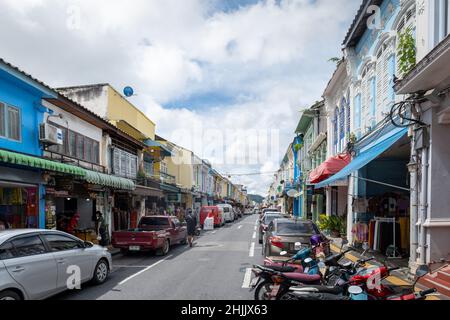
366, 155
164, 150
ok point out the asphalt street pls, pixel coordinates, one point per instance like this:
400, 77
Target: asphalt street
216, 268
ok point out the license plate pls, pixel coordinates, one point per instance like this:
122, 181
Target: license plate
135, 248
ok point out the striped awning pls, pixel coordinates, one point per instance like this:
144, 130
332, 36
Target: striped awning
109, 181
39, 163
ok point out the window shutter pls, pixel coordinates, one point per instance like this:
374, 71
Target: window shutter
116, 161
391, 70
13, 123
357, 112
373, 96
133, 166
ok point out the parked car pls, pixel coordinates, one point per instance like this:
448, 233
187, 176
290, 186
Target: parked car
154, 233
282, 235
228, 212
34, 264
264, 222
215, 212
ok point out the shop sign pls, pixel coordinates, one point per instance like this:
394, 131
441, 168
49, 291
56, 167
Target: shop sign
56, 193
64, 184
174, 197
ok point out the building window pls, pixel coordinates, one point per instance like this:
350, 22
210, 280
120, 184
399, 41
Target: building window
336, 129
373, 100
357, 111
348, 112
441, 20
77, 146
124, 163
10, 122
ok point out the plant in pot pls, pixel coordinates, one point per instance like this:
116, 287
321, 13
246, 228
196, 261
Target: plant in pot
332, 225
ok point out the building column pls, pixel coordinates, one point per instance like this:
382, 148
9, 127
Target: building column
350, 216
328, 192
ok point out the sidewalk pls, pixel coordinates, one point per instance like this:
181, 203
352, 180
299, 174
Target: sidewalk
400, 277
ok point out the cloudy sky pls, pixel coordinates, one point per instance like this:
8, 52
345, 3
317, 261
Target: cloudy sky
224, 78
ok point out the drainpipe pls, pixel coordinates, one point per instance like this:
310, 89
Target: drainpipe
423, 206
412, 168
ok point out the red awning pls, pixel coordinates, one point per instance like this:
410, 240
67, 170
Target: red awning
330, 167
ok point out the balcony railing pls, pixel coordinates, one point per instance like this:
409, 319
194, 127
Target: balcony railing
74, 161
167, 178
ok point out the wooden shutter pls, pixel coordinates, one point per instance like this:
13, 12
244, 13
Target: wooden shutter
116, 161
133, 166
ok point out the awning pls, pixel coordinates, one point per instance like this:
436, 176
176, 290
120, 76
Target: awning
148, 192
109, 181
164, 150
366, 155
330, 167
169, 188
39, 163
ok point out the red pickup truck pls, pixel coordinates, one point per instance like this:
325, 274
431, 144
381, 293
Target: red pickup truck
154, 233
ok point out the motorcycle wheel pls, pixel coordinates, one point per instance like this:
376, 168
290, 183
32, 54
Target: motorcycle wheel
263, 290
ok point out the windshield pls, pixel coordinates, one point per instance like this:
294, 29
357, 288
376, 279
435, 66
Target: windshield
270, 217
289, 228
153, 223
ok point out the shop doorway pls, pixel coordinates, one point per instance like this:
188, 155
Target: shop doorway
19, 207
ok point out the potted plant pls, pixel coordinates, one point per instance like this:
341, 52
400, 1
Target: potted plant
333, 225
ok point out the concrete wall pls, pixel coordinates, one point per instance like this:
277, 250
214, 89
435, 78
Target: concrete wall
92, 98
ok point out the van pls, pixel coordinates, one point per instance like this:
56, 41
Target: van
214, 212
228, 212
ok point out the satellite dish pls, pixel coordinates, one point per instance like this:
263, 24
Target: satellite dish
128, 91
293, 193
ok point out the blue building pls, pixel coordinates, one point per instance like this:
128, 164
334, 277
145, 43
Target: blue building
22, 170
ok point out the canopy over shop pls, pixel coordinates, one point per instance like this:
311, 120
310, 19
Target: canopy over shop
380, 192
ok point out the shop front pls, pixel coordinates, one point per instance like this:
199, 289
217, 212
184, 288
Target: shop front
379, 191
22, 188
20, 199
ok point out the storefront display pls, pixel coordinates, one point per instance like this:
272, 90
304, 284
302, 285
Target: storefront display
18, 206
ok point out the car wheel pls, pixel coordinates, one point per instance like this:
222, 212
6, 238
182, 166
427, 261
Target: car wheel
165, 248
101, 272
9, 295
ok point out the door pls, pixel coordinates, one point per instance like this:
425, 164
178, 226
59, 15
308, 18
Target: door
70, 255
180, 231
32, 266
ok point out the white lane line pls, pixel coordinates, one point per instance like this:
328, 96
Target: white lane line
214, 232
255, 228
239, 227
254, 235
247, 278
142, 271
251, 253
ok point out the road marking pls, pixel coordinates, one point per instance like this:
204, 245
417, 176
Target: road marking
239, 227
142, 271
214, 232
252, 250
247, 278
255, 228
254, 235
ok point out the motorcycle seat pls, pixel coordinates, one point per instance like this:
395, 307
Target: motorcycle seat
286, 269
303, 277
318, 289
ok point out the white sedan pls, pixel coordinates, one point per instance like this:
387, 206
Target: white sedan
37, 264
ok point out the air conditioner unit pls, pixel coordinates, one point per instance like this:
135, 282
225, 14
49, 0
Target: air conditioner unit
50, 134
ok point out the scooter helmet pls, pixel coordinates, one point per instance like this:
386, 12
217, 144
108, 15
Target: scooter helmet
316, 240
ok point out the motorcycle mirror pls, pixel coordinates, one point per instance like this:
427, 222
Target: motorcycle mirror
283, 253
422, 271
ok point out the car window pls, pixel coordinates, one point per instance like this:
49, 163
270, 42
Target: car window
176, 223
28, 246
286, 228
269, 218
6, 251
61, 243
153, 221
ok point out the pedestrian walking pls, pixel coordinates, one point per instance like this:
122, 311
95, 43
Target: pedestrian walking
191, 223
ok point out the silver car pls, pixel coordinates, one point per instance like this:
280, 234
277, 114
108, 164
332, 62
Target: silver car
37, 264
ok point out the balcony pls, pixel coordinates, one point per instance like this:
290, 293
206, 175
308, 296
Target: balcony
167, 178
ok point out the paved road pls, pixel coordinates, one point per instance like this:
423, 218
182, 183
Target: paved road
216, 268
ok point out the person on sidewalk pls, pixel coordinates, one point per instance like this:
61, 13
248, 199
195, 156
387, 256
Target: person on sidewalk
191, 223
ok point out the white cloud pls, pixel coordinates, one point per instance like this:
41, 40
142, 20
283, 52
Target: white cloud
271, 58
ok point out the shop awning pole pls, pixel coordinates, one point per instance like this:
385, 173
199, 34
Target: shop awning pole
382, 183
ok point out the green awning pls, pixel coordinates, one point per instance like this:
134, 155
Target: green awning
39, 163
109, 181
